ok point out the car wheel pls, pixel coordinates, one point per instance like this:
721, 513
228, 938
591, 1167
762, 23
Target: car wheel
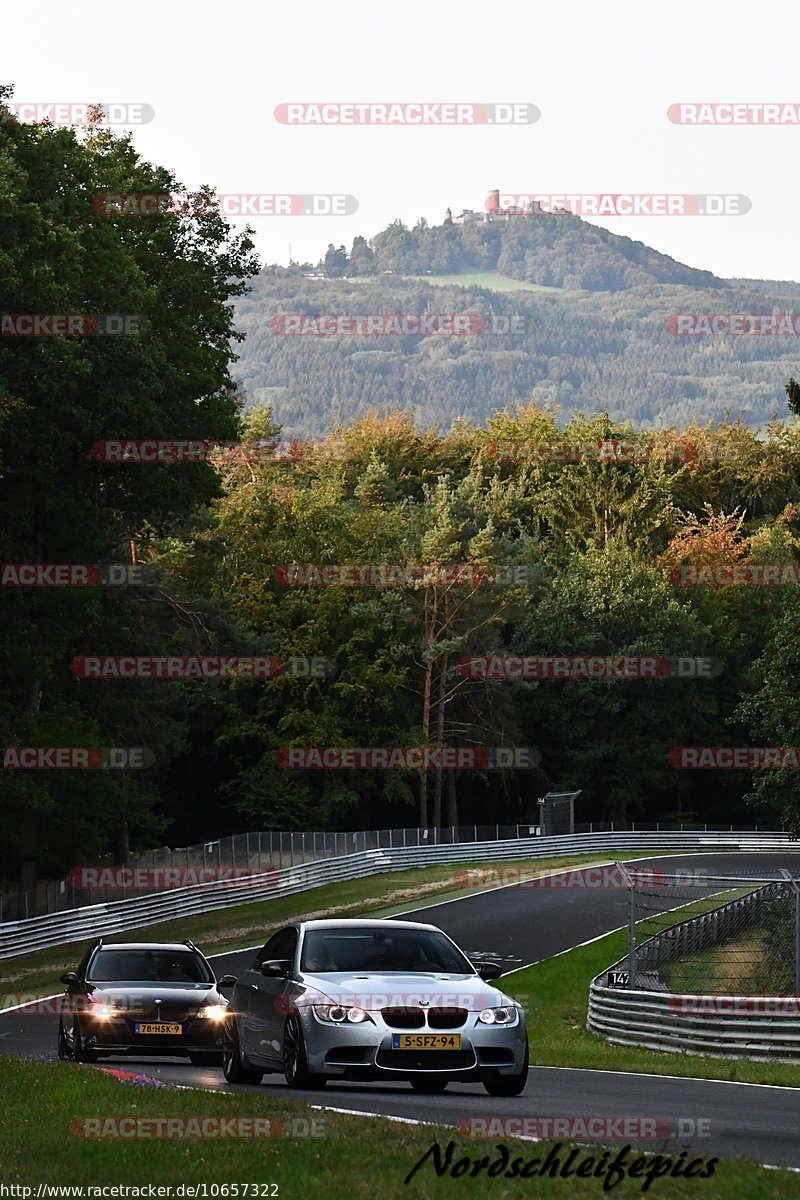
207, 1058
509, 1085
295, 1060
233, 1068
429, 1085
64, 1044
80, 1051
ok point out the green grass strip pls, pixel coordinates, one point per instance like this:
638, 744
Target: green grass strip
44, 1103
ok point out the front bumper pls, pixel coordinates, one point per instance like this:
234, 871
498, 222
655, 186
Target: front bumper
365, 1051
118, 1036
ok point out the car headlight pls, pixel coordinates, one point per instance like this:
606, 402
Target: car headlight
337, 1014
506, 1014
213, 1012
104, 1011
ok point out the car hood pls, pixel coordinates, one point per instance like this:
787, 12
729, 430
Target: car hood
374, 991
192, 996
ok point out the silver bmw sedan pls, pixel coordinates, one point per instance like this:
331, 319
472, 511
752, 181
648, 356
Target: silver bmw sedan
372, 1000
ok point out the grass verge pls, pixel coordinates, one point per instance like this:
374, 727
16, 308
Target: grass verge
44, 1104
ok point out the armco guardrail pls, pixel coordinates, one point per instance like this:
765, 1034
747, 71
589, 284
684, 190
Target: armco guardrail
753, 1027
758, 1027
101, 920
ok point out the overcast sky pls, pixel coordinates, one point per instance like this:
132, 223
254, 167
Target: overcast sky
602, 75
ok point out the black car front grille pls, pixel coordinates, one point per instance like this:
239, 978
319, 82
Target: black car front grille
447, 1018
404, 1018
172, 1014
426, 1060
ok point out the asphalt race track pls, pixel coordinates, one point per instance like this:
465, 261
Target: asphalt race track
518, 925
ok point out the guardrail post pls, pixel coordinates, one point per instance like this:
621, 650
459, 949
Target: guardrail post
629, 880
795, 883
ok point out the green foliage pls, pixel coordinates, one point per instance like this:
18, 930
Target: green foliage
383, 485
575, 350
59, 395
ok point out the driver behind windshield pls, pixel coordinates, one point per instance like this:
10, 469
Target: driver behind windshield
320, 957
406, 955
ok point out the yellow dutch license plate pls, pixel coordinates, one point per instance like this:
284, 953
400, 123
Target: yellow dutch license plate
162, 1027
426, 1041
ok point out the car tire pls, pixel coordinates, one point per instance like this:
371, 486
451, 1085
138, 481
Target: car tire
80, 1051
233, 1068
509, 1085
64, 1047
429, 1085
206, 1058
295, 1059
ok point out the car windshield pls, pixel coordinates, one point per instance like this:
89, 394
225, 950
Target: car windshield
380, 951
149, 966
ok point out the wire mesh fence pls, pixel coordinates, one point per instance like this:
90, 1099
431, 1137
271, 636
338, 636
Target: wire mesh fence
696, 933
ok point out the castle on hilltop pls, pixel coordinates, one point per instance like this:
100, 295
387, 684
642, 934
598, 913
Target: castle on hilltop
492, 212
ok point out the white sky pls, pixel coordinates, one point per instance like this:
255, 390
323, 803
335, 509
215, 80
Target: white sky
602, 75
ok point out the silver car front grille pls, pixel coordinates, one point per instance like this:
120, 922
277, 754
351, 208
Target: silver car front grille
404, 1018
415, 1017
447, 1018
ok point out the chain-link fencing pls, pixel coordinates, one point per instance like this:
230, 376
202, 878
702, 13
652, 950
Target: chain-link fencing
695, 933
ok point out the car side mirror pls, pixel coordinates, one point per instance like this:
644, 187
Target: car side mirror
69, 979
489, 970
227, 983
276, 968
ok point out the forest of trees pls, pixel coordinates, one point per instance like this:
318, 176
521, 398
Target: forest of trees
602, 540
582, 351
550, 249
